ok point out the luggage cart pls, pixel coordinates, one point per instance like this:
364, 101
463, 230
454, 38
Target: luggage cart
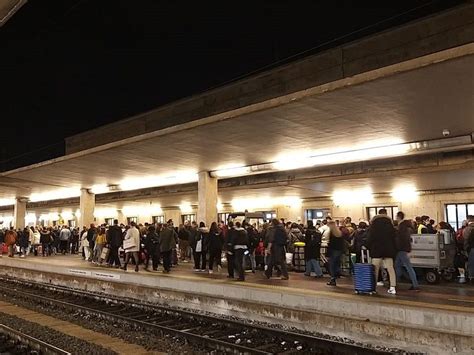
433, 255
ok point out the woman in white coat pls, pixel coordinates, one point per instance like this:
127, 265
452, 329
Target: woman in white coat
131, 244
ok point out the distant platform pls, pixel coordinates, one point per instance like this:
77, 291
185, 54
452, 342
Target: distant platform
439, 317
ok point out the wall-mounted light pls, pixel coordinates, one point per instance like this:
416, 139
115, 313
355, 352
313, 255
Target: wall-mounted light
405, 193
186, 207
7, 201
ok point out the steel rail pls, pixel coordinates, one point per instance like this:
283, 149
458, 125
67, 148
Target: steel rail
34, 343
310, 340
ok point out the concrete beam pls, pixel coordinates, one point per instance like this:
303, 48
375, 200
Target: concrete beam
86, 207
440, 32
19, 213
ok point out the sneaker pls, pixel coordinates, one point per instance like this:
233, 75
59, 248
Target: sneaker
331, 283
380, 283
22, 256
196, 270
185, 261
416, 289
210, 271
392, 291
284, 278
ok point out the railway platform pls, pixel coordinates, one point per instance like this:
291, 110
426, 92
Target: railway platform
439, 319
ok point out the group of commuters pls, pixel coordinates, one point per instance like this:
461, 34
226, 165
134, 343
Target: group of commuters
270, 246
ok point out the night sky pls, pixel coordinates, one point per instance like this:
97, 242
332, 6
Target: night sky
71, 65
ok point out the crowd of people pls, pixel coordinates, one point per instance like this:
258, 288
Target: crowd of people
270, 247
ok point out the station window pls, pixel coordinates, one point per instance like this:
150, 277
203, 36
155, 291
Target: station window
72, 223
158, 219
132, 219
109, 221
223, 217
316, 214
456, 213
373, 211
269, 215
188, 217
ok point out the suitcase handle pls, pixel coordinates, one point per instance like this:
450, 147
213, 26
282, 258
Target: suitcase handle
365, 256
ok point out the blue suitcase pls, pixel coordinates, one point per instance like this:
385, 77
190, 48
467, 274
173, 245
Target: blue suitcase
364, 276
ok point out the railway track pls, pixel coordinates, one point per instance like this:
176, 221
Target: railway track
208, 332
24, 344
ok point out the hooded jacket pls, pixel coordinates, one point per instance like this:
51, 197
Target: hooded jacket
381, 238
294, 236
404, 232
241, 239
203, 236
312, 248
168, 238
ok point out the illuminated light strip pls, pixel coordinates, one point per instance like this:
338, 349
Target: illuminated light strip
7, 201
384, 151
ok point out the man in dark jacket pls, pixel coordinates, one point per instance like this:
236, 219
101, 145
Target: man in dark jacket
168, 240
312, 250
276, 249
152, 245
114, 240
91, 236
381, 244
240, 247
403, 241
231, 235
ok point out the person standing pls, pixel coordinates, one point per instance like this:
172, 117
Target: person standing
276, 250
114, 240
239, 246
216, 242
10, 241
45, 240
468, 235
335, 250
64, 237
229, 242
91, 236
152, 245
312, 250
201, 247
168, 240
183, 243
382, 247
404, 231
132, 245
100, 243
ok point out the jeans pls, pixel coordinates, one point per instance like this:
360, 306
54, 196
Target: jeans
313, 265
97, 252
200, 260
277, 258
335, 263
45, 248
250, 257
114, 257
239, 263
470, 264
63, 246
402, 260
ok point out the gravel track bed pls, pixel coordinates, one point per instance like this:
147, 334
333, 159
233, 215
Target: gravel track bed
124, 331
60, 340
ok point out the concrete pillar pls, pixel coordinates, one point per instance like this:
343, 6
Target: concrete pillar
86, 207
207, 198
19, 213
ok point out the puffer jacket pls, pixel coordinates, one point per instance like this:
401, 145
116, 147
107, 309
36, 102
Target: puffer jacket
294, 236
168, 239
381, 239
203, 236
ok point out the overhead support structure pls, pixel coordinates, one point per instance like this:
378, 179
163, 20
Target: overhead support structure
86, 207
207, 198
19, 213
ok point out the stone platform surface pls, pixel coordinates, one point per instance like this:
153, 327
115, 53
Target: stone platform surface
441, 314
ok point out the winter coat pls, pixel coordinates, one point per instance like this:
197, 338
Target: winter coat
253, 239
360, 240
45, 237
115, 236
168, 238
192, 237
132, 233
312, 247
241, 239
65, 234
280, 238
203, 236
183, 234
216, 241
294, 236
23, 239
381, 238
468, 235
10, 237
336, 243
404, 232
152, 242
2, 236
229, 244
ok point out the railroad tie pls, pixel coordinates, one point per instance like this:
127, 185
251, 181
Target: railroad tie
71, 329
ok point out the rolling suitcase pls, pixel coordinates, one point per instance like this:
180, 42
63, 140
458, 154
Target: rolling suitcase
364, 275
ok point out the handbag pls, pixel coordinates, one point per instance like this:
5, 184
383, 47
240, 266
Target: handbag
105, 253
199, 246
128, 243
